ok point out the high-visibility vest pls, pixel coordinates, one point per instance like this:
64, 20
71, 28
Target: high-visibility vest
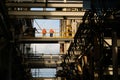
51, 31
44, 31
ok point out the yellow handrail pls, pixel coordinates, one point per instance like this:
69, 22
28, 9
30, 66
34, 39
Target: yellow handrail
56, 34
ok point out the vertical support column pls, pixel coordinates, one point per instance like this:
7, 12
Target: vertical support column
11, 47
61, 47
92, 68
101, 38
115, 55
46, 3
66, 46
68, 28
62, 28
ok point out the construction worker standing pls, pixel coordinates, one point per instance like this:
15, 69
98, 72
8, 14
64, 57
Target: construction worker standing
51, 32
44, 32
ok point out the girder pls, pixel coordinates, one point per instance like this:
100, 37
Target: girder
57, 4
43, 64
44, 1
44, 40
47, 17
46, 14
50, 5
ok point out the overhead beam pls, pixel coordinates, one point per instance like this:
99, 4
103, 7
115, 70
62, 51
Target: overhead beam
44, 40
42, 5
46, 13
46, 1
47, 17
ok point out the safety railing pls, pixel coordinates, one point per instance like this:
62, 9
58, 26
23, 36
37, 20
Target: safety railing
56, 34
39, 34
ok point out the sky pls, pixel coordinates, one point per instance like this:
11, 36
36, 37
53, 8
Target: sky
46, 48
47, 24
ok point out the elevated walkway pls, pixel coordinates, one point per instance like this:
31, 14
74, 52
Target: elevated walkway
44, 39
39, 38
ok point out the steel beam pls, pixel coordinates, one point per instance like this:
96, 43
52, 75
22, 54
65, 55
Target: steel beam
115, 55
44, 40
44, 1
45, 14
42, 5
47, 17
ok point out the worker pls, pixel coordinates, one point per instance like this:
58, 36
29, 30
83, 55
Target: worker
44, 32
51, 32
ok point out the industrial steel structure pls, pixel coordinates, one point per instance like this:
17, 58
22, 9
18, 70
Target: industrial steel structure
89, 39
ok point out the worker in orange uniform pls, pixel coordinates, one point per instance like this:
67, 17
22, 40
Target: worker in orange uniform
44, 32
51, 32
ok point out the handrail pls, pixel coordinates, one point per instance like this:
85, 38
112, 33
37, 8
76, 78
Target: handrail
56, 34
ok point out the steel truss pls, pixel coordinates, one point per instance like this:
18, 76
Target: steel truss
22, 9
97, 57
